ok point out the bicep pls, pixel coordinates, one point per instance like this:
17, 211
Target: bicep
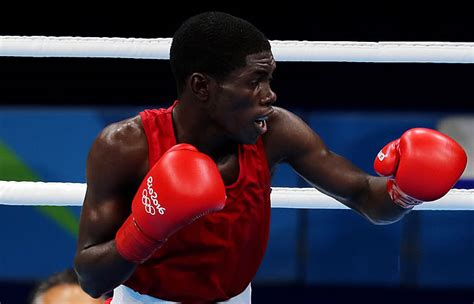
331, 174
113, 175
325, 170
100, 219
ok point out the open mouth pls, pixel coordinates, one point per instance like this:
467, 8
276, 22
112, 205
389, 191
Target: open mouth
261, 123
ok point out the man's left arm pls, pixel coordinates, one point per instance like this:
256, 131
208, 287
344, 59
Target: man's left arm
337, 177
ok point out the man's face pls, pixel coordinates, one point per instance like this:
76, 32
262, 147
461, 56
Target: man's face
242, 103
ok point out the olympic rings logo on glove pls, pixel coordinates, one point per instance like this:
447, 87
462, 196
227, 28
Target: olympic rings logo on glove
151, 202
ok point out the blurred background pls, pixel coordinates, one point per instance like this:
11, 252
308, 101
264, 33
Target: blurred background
51, 109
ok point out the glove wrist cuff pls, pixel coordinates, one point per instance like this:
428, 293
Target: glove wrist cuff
399, 197
132, 244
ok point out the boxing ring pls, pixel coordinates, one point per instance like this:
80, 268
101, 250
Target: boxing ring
22, 194
70, 194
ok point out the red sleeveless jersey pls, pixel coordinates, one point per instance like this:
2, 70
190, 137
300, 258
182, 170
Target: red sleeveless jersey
217, 256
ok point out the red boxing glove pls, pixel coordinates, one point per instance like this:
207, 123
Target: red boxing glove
181, 187
423, 165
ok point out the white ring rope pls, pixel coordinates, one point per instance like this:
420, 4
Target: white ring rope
283, 50
72, 194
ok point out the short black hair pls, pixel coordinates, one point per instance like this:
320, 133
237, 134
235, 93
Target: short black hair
213, 43
68, 277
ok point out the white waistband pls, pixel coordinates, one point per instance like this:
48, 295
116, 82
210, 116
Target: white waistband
125, 295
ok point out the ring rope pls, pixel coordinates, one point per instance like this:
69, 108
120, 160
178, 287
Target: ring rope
72, 194
283, 50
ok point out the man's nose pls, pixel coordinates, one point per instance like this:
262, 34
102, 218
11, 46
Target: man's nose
269, 99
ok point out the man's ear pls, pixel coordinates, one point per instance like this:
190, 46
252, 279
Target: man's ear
200, 84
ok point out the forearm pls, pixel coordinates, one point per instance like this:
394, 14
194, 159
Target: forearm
377, 206
101, 268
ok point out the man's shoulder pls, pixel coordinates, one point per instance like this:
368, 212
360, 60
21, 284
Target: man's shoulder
121, 139
124, 131
281, 123
278, 135
287, 135
121, 149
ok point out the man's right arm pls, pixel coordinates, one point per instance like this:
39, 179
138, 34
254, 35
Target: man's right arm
123, 223
116, 165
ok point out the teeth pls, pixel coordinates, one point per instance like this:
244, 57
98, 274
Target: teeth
261, 123
262, 118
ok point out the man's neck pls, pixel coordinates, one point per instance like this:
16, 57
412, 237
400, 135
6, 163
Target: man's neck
192, 125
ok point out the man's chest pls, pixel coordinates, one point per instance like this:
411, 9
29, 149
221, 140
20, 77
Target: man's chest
229, 168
